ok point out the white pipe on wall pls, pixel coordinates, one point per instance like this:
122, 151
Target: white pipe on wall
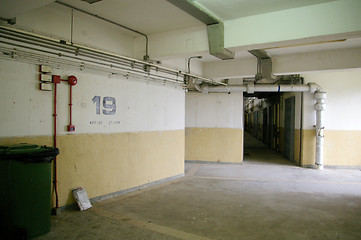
319, 95
320, 106
251, 88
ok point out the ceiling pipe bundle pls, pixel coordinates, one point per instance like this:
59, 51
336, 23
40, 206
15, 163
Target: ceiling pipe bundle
30, 43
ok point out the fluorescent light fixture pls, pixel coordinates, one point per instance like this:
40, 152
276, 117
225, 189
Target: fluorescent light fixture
91, 1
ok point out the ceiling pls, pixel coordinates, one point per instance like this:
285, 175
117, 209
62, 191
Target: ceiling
157, 16
232, 9
146, 16
12, 8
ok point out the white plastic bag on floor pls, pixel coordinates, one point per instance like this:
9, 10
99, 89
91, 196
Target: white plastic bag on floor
81, 197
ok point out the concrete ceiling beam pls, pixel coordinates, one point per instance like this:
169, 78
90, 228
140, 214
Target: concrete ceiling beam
338, 59
328, 21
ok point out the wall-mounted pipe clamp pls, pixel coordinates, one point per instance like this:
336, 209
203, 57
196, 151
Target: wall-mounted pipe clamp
320, 106
205, 89
320, 95
250, 87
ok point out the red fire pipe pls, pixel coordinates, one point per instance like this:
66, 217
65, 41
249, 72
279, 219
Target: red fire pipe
72, 80
55, 145
70, 105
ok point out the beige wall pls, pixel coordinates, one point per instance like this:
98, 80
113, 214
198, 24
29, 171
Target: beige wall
296, 147
214, 144
308, 148
107, 163
342, 148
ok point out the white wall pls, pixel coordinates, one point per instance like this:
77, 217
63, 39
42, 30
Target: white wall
216, 110
25, 110
54, 20
343, 99
140, 105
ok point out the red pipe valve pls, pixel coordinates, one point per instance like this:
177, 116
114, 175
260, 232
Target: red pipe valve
72, 80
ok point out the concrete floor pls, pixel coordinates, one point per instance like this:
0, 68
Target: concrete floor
265, 198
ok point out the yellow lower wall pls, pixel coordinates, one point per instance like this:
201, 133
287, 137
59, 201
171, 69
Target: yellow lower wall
107, 163
308, 148
296, 147
341, 148
214, 144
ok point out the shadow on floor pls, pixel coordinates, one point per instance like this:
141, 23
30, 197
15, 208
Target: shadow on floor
256, 152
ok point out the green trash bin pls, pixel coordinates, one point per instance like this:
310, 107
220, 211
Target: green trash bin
25, 190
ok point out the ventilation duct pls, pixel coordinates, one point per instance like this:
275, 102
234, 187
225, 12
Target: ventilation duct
215, 28
264, 67
216, 42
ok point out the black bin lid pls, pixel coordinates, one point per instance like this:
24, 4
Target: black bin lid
28, 153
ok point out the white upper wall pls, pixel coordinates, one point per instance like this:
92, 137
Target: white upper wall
343, 99
54, 20
216, 110
140, 105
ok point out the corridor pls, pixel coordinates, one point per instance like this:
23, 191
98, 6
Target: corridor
256, 151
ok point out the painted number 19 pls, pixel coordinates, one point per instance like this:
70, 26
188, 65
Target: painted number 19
109, 105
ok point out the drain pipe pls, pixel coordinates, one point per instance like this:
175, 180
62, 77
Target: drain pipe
320, 106
319, 95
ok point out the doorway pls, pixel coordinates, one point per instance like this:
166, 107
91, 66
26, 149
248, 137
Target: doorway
289, 128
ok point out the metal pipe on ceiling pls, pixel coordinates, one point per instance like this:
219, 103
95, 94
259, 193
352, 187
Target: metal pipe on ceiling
34, 58
251, 88
62, 49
